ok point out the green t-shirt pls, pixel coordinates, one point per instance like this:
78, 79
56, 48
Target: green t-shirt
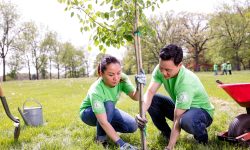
100, 93
229, 66
185, 89
215, 67
224, 66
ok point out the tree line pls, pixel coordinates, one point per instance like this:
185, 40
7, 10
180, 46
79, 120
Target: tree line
27, 45
206, 38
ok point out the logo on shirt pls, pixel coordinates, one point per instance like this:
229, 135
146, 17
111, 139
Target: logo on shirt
183, 97
97, 105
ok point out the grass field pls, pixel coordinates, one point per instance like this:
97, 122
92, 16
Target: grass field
64, 130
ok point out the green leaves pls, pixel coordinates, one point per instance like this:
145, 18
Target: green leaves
112, 22
72, 14
119, 13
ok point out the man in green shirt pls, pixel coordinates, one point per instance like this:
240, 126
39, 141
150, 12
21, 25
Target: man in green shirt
188, 105
224, 68
215, 69
229, 68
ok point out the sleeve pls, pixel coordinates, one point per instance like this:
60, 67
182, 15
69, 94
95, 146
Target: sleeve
127, 86
97, 103
156, 75
184, 98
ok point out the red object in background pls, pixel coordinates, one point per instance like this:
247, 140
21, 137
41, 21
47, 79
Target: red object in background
240, 92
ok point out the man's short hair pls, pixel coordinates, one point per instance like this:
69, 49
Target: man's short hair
172, 52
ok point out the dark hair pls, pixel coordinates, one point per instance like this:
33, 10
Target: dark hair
106, 60
172, 52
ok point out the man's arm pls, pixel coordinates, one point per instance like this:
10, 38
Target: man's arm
148, 96
150, 92
176, 129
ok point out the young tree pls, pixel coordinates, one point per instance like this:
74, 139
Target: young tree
113, 24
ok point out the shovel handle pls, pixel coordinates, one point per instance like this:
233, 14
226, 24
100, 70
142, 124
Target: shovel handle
1, 91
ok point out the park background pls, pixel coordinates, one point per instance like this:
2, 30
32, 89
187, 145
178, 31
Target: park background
35, 56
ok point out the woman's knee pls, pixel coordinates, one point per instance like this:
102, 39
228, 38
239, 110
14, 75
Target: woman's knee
88, 117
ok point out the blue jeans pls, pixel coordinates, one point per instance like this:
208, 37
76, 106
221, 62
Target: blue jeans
194, 121
120, 120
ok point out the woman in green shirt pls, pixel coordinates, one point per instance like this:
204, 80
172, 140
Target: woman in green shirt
98, 107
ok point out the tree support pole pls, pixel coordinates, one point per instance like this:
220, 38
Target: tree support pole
137, 46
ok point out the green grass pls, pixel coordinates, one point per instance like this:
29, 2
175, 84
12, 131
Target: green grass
64, 130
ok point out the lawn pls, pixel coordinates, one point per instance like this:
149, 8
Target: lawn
64, 130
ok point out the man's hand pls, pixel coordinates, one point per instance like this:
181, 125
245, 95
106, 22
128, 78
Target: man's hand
140, 78
141, 122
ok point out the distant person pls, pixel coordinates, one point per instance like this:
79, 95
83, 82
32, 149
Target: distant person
224, 68
98, 107
215, 69
229, 68
188, 106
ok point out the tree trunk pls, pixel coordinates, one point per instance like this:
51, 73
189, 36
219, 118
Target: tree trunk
29, 70
237, 60
37, 71
244, 66
50, 76
4, 76
249, 64
196, 61
65, 74
58, 71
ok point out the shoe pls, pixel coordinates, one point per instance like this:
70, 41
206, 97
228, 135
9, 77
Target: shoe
127, 146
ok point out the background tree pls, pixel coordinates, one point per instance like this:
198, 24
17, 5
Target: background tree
58, 57
38, 54
129, 61
15, 64
8, 30
230, 26
49, 44
97, 62
196, 35
72, 59
23, 44
161, 30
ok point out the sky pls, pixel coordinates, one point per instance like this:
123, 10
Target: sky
51, 13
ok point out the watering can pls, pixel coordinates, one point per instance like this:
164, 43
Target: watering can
32, 115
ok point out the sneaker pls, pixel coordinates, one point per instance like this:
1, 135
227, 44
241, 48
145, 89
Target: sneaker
127, 146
